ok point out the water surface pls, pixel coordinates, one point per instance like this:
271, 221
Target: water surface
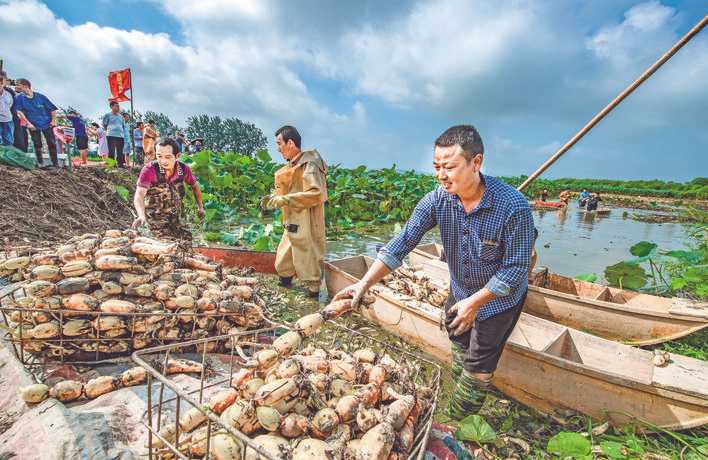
570, 242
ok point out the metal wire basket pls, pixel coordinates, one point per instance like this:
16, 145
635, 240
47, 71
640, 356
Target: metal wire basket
99, 348
244, 346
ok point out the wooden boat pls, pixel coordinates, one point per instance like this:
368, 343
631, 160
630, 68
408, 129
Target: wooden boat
551, 367
260, 261
548, 204
615, 314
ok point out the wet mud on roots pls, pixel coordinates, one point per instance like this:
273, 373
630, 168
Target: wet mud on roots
49, 206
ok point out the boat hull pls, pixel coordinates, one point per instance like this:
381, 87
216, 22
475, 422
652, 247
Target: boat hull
548, 204
553, 385
643, 321
541, 367
260, 261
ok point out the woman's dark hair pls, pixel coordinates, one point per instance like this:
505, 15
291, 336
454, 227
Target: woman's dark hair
95, 125
172, 143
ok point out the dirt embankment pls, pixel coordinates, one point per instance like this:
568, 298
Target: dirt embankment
652, 202
50, 206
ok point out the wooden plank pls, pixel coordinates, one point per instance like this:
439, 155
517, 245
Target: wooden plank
696, 310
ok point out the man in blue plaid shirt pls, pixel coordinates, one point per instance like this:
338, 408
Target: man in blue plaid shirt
487, 233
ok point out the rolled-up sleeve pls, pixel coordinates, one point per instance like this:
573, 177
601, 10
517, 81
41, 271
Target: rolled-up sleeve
422, 220
518, 244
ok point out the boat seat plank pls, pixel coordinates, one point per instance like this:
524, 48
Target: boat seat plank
686, 308
355, 266
572, 286
684, 374
603, 295
612, 357
564, 347
535, 333
436, 269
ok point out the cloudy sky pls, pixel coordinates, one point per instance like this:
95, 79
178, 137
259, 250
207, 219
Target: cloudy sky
372, 82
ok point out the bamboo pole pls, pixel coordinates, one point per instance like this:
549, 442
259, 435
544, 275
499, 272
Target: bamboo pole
616, 101
132, 118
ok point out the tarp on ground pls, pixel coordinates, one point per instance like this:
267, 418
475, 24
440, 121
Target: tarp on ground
14, 157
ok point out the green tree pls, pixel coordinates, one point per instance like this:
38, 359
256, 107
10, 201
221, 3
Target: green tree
207, 128
242, 137
226, 135
162, 122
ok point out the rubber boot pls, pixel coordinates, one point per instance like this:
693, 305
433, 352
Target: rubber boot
458, 359
468, 398
286, 281
313, 289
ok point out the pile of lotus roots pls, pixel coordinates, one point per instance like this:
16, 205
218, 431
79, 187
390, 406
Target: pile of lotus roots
417, 285
303, 402
113, 293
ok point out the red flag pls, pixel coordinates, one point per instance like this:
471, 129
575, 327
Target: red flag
119, 83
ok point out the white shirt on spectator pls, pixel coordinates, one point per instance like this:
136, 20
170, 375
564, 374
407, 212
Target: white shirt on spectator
6, 101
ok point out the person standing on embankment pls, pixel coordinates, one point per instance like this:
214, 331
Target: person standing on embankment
487, 233
138, 139
114, 125
160, 194
80, 135
300, 192
39, 115
150, 135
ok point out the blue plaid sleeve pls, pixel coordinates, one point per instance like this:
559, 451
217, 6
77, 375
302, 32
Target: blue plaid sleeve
518, 243
422, 220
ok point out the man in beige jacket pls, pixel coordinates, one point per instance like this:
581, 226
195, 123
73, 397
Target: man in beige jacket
300, 192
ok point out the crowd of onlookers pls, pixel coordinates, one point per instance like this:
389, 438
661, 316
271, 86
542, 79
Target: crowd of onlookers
26, 115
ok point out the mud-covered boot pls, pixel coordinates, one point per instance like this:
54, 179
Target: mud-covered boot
468, 398
313, 289
458, 359
286, 281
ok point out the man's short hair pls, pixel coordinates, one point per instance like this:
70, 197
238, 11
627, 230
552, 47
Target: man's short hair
126, 114
172, 143
288, 132
24, 82
140, 123
466, 136
112, 103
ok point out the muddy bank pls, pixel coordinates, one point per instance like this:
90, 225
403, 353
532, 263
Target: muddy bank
50, 206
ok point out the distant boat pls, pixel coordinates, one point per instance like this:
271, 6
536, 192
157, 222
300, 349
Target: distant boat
548, 204
615, 314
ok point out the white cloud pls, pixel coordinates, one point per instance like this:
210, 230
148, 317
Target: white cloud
229, 77
210, 9
644, 28
393, 75
678, 92
424, 56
